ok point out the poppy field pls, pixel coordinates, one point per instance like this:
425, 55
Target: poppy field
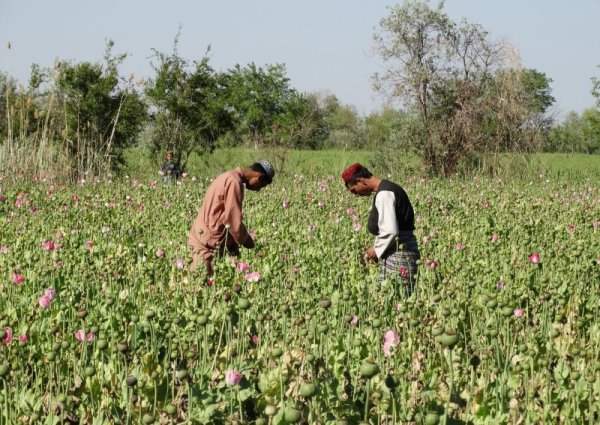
102, 322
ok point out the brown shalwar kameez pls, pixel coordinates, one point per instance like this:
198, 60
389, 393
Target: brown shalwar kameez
221, 207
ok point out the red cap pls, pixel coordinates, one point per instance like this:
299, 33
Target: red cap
348, 172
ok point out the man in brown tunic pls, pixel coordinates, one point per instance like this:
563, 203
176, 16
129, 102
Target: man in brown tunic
219, 225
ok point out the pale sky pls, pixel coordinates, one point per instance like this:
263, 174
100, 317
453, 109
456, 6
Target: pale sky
326, 45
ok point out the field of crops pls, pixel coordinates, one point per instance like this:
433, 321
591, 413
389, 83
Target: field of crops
101, 322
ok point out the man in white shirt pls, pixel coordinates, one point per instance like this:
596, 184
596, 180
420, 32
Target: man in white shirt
391, 221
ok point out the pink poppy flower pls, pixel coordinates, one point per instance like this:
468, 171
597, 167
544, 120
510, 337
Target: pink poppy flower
18, 278
534, 258
44, 301
321, 204
252, 277
357, 227
485, 204
179, 263
50, 293
210, 281
48, 245
403, 272
160, 253
2, 198
233, 377
518, 312
3, 250
254, 339
81, 336
495, 237
571, 228
459, 246
432, 264
89, 244
23, 338
243, 267
392, 337
9, 336
354, 320
286, 203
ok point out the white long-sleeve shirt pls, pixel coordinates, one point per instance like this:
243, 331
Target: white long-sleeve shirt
388, 224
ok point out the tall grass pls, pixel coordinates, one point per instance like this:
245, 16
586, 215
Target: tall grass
140, 164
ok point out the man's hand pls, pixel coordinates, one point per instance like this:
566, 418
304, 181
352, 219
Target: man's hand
371, 255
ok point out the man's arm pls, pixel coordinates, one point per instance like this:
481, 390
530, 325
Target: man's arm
233, 214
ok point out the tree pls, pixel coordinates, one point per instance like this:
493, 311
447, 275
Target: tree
469, 93
103, 113
346, 126
257, 98
190, 105
596, 90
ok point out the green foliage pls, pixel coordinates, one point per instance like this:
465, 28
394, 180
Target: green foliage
536, 86
596, 89
346, 127
258, 98
577, 133
460, 85
103, 113
191, 112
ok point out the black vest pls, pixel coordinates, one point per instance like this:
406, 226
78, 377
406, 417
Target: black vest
405, 214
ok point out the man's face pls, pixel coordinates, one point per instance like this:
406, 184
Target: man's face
170, 156
256, 183
359, 188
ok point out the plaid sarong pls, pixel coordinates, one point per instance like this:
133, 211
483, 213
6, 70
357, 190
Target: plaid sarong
400, 265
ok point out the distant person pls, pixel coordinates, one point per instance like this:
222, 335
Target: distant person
392, 222
219, 225
170, 168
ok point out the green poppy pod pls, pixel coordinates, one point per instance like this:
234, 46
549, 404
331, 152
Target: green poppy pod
147, 418
131, 381
292, 415
243, 304
369, 369
89, 371
4, 370
392, 381
448, 339
437, 330
507, 312
326, 303
432, 418
149, 314
376, 323
82, 314
270, 410
308, 389
261, 421
170, 409
181, 374
276, 352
